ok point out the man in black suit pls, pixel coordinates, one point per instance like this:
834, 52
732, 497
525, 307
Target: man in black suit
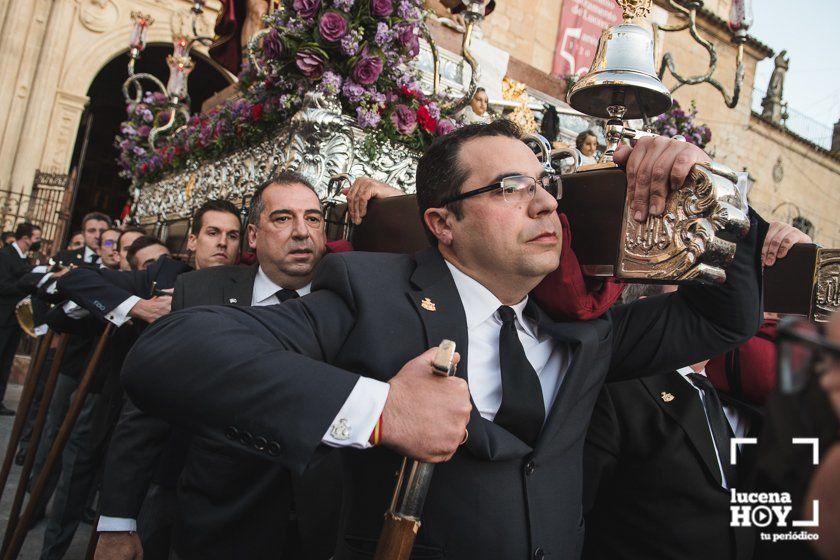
94, 224
325, 369
230, 503
13, 265
656, 471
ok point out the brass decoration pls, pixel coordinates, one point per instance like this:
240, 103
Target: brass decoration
522, 115
684, 243
428, 305
634, 10
188, 190
827, 288
667, 397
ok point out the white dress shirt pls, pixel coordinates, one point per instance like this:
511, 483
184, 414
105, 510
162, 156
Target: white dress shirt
739, 423
549, 359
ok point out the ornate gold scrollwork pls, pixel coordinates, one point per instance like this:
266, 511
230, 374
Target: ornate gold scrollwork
685, 243
827, 289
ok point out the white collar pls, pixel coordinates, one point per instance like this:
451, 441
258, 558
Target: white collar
264, 287
480, 304
89, 252
686, 371
19, 252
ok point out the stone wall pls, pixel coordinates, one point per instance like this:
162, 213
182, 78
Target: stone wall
50, 52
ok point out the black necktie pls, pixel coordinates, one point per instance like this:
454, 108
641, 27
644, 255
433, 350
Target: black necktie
718, 423
522, 411
284, 294
93, 258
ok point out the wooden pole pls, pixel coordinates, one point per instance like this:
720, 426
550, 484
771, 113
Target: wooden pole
32, 378
54, 456
37, 431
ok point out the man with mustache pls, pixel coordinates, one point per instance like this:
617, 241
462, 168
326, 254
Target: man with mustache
355, 354
229, 504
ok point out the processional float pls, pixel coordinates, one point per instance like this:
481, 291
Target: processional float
692, 241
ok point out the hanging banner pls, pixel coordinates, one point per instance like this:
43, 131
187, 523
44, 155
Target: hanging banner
581, 23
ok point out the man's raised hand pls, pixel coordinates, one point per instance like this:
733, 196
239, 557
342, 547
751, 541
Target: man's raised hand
426, 415
655, 166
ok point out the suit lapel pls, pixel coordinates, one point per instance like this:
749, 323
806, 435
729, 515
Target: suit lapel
686, 409
436, 300
240, 286
582, 342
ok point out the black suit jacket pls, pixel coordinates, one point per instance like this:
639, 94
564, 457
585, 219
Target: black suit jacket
12, 269
101, 290
497, 497
652, 485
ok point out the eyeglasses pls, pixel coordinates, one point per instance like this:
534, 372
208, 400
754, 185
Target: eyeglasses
803, 351
516, 188
109, 243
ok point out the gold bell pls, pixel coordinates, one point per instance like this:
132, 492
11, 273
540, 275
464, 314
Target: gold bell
622, 74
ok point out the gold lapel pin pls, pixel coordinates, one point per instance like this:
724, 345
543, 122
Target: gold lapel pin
428, 305
667, 397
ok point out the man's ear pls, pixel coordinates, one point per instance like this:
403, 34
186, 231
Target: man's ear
191, 242
251, 232
438, 221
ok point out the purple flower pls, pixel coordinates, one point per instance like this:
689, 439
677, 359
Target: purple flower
143, 131
407, 10
331, 82
138, 151
345, 5
367, 69
272, 45
434, 110
332, 26
381, 8
309, 63
367, 119
383, 34
307, 8
444, 127
407, 36
404, 119
352, 91
349, 45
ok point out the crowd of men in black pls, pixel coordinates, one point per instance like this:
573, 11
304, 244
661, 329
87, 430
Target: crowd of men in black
233, 412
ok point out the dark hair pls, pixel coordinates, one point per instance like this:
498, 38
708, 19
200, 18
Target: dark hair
212, 205
139, 244
479, 90
440, 174
285, 177
96, 216
581, 138
6, 234
129, 230
75, 233
25, 229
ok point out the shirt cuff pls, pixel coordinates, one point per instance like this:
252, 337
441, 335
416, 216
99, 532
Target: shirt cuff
355, 421
116, 524
119, 315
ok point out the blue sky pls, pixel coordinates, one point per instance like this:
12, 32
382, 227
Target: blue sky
808, 30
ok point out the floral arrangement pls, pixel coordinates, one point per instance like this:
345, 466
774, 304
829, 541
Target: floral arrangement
677, 121
357, 51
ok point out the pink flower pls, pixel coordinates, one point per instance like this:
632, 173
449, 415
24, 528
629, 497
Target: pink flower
367, 69
381, 8
332, 27
444, 127
310, 64
404, 119
307, 8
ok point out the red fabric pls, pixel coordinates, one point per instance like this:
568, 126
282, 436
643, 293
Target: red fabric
756, 360
564, 295
227, 51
